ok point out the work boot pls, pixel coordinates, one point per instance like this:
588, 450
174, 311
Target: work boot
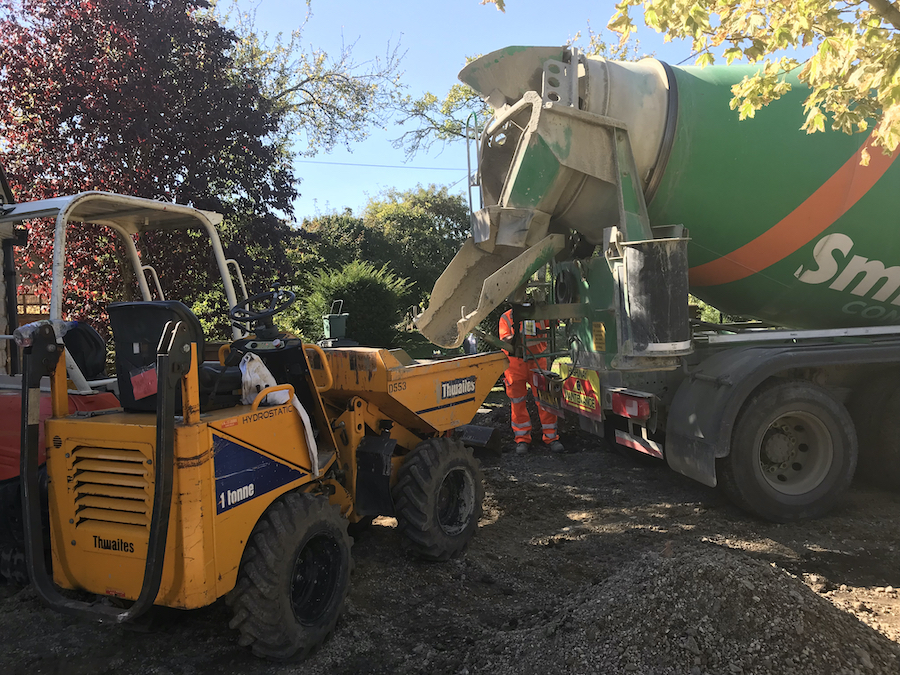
521, 448
556, 446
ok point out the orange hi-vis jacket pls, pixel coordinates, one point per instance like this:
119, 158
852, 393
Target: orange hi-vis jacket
516, 378
531, 329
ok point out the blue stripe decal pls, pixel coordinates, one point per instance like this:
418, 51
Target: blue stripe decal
446, 405
243, 474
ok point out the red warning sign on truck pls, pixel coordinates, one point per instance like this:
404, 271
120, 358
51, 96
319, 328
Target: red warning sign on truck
581, 391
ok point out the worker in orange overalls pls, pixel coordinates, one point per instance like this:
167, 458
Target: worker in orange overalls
517, 375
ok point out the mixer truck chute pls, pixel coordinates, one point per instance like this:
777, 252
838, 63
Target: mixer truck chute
650, 188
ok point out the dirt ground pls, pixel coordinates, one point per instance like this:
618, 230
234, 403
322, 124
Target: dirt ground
588, 562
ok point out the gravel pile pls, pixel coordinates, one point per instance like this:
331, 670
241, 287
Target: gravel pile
695, 611
698, 610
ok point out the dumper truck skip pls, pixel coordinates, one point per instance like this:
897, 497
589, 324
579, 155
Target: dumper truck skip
637, 184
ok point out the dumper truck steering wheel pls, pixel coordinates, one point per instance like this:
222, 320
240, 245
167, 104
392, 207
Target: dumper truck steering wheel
278, 299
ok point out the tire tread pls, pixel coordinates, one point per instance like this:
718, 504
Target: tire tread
260, 603
418, 481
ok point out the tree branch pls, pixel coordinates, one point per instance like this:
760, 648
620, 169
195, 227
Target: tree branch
888, 11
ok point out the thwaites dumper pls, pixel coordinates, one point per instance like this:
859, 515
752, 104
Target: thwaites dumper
184, 495
636, 183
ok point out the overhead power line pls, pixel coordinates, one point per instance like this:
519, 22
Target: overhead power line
383, 166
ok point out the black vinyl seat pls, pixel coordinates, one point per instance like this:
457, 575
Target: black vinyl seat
136, 329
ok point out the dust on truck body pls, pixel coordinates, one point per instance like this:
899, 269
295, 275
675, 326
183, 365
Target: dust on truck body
638, 185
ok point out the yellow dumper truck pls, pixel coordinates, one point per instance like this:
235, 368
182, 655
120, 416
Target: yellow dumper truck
236, 477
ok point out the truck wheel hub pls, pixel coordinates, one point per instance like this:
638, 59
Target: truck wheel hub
795, 453
778, 448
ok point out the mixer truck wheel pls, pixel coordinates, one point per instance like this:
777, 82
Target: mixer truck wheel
793, 452
294, 576
437, 498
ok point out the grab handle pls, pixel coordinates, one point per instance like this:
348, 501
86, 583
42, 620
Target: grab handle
271, 390
325, 367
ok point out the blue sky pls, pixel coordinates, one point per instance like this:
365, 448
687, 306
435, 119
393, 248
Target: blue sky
437, 35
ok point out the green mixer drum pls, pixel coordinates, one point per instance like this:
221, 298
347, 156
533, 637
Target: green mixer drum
785, 226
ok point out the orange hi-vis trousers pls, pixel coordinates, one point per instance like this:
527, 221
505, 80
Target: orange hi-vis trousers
516, 377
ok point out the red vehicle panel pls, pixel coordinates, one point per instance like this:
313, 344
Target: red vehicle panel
11, 423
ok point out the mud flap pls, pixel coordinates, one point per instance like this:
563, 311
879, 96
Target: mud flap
484, 441
373, 476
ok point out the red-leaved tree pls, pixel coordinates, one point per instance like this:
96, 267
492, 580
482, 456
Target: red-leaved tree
141, 97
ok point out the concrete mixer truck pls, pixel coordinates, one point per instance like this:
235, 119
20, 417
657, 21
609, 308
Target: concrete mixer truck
638, 185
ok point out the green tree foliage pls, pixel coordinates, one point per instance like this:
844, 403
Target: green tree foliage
440, 119
372, 296
415, 233
853, 75
335, 240
422, 229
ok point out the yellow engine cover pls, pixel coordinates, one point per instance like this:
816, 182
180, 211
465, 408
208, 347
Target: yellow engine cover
228, 469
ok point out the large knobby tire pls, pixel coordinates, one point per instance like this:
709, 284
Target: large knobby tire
793, 452
438, 497
13, 567
12, 536
294, 577
876, 413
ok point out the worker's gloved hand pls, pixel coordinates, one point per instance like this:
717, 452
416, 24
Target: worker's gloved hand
514, 345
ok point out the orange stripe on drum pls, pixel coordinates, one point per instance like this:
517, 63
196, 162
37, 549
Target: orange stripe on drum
816, 214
